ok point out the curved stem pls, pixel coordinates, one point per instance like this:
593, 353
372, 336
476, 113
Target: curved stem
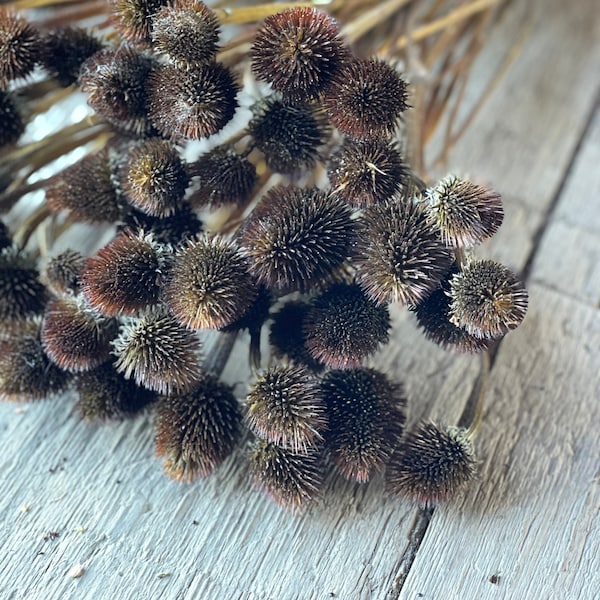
481, 391
220, 352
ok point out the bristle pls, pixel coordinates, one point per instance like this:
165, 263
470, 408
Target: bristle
133, 18
20, 47
63, 272
195, 433
11, 122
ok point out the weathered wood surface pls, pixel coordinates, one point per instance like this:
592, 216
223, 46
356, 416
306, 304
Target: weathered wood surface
529, 526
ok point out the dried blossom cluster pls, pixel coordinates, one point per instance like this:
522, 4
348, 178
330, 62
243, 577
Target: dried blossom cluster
317, 258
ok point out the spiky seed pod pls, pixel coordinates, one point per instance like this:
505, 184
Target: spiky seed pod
26, 373
296, 237
187, 31
366, 99
194, 104
343, 326
125, 276
464, 212
154, 178
209, 286
487, 299
86, 191
133, 18
63, 272
298, 51
289, 135
196, 432
222, 177
432, 464
287, 338
11, 122
400, 255
285, 406
20, 47
104, 394
65, 50
115, 82
367, 172
159, 353
366, 414
291, 479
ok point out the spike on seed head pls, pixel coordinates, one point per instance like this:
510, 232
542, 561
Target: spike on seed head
432, 465
298, 51
20, 47
366, 415
133, 18
343, 326
63, 272
11, 121
196, 432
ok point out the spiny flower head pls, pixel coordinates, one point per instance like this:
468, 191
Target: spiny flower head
20, 47
63, 272
11, 122
133, 18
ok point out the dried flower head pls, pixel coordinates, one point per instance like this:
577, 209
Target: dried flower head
20, 47
487, 299
289, 135
209, 286
63, 272
291, 479
367, 172
432, 465
343, 326
366, 414
159, 353
196, 432
464, 212
191, 105
298, 51
133, 18
187, 31
366, 99
400, 256
296, 237
11, 122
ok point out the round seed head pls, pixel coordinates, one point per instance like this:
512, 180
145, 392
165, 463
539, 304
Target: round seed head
191, 105
196, 432
154, 178
296, 237
285, 406
292, 480
366, 99
400, 256
464, 212
432, 465
222, 177
366, 415
124, 277
487, 299
133, 18
343, 326
367, 172
20, 47
11, 122
209, 286
63, 272
298, 51
187, 31
104, 394
159, 354
289, 135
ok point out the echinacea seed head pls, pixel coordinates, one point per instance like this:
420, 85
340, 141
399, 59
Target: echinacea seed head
133, 18
63, 272
20, 47
11, 121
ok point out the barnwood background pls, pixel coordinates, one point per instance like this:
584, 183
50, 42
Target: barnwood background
529, 527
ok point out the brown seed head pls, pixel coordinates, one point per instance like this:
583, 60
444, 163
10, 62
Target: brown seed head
11, 122
20, 47
133, 18
63, 272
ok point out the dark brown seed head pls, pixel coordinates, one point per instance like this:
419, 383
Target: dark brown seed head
20, 47
432, 465
366, 419
487, 299
367, 172
187, 31
196, 432
296, 237
159, 353
222, 177
366, 99
292, 480
285, 406
191, 105
298, 51
464, 212
154, 178
289, 135
343, 326
125, 276
209, 285
63, 272
400, 256
133, 18
11, 122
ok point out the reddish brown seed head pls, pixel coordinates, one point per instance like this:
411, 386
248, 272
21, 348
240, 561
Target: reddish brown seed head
133, 18
63, 272
20, 47
196, 432
11, 122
